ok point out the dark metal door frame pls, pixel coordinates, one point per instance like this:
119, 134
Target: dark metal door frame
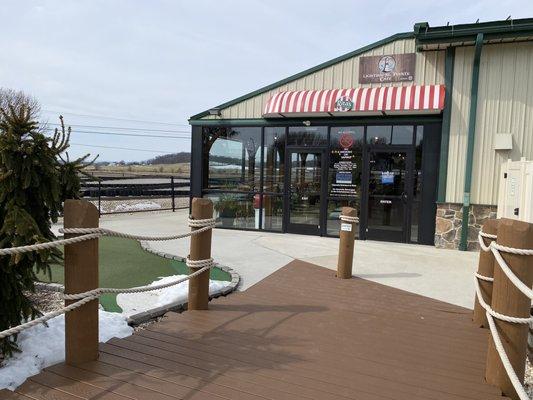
408, 188
296, 228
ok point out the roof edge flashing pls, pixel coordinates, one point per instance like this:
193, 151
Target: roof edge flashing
455, 34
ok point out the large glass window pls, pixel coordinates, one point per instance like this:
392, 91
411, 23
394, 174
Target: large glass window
402, 134
235, 210
272, 212
245, 170
308, 136
274, 160
386, 134
378, 134
234, 156
232, 174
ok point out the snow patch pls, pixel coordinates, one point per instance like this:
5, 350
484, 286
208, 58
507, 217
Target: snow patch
145, 205
133, 303
44, 346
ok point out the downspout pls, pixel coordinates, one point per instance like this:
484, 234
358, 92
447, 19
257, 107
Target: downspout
446, 121
470, 146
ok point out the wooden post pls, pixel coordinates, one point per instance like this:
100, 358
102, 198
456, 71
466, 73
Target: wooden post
81, 274
346, 245
485, 268
508, 300
200, 250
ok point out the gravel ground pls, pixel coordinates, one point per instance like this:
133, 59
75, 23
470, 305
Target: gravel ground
142, 326
46, 300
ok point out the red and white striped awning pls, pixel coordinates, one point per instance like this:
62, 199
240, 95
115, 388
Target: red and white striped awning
368, 101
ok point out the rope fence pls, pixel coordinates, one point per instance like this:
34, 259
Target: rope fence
492, 315
94, 233
200, 266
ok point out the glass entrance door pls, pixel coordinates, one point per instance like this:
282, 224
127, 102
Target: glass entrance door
388, 195
305, 191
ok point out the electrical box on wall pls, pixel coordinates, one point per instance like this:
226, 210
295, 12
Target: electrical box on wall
503, 141
515, 197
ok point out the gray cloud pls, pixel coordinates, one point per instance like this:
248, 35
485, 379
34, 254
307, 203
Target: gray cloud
166, 60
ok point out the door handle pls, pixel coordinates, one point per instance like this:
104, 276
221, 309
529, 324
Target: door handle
404, 198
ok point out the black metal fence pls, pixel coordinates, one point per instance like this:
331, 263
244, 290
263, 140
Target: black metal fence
118, 195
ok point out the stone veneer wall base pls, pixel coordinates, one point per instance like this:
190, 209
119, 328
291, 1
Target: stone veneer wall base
449, 220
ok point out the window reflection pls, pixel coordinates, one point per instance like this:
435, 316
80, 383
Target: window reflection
402, 134
233, 156
274, 160
308, 136
377, 134
305, 185
417, 186
235, 210
334, 212
272, 213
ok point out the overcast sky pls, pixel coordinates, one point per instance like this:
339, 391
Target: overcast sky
164, 61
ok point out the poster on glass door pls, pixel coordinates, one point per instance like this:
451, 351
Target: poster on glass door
344, 168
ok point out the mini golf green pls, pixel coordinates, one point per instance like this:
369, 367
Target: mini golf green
124, 264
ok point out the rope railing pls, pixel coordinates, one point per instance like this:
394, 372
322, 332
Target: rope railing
491, 314
94, 233
202, 225
207, 264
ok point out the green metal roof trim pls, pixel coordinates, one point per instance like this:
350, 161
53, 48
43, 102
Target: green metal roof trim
509, 28
398, 36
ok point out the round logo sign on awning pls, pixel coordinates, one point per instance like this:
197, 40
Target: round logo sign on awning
344, 103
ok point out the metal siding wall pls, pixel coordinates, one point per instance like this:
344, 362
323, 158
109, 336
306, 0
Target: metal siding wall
505, 105
429, 70
464, 58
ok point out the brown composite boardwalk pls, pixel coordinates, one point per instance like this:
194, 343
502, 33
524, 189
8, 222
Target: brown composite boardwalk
299, 334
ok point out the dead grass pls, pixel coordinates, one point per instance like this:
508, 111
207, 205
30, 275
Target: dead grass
163, 169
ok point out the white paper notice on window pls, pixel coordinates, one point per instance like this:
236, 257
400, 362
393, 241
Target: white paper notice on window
346, 227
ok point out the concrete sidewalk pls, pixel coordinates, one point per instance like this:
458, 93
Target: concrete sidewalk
445, 275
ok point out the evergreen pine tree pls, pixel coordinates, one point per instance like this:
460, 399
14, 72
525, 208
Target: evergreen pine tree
34, 182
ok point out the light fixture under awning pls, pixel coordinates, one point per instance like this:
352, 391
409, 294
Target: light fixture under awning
426, 99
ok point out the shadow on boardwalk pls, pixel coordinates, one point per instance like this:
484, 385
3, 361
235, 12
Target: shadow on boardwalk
299, 334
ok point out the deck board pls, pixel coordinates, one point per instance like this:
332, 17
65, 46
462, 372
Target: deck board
298, 334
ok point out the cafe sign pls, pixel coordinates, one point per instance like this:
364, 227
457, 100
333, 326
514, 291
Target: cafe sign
387, 68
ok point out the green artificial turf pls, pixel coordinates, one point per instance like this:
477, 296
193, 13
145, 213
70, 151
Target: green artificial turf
124, 264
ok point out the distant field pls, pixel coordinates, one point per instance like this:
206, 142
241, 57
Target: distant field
181, 169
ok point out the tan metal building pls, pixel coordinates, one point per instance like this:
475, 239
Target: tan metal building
411, 130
